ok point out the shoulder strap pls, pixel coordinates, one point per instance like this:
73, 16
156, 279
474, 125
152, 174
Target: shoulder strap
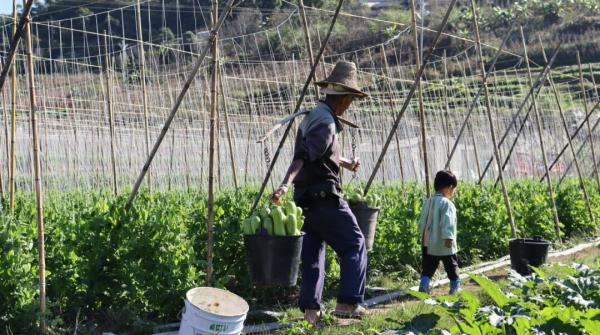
429, 215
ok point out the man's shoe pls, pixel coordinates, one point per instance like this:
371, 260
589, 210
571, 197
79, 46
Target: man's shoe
346, 311
313, 316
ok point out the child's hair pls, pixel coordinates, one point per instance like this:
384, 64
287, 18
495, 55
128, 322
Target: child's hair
443, 179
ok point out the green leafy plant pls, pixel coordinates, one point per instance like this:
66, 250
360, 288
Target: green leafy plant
538, 304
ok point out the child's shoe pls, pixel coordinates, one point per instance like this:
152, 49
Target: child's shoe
454, 286
424, 284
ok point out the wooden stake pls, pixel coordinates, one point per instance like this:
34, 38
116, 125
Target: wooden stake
488, 106
174, 109
422, 120
228, 128
570, 142
140, 37
408, 98
13, 121
584, 96
111, 119
541, 139
39, 195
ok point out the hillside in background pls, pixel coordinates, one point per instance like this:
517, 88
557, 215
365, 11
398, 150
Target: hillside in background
575, 22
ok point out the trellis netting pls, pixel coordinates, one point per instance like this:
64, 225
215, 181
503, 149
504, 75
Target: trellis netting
263, 68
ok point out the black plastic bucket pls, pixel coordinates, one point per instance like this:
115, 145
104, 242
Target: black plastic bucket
273, 260
527, 251
367, 221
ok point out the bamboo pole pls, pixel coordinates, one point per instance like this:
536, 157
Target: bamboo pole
174, 109
228, 128
185, 159
488, 108
307, 39
39, 195
570, 142
247, 155
408, 98
13, 121
297, 106
422, 120
6, 138
218, 164
111, 119
211, 150
538, 123
589, 128
140, 37
446, 105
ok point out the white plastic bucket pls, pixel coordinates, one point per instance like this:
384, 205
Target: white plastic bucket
212, 311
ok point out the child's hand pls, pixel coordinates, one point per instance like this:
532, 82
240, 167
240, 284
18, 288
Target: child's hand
448, 243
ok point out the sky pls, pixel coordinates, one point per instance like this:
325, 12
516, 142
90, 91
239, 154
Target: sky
5, 7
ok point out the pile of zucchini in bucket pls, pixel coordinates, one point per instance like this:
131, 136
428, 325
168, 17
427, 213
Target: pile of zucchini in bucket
275, 220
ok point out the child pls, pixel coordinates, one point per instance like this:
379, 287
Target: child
437, 228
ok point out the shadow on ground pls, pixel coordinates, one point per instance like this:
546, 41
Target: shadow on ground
419, 324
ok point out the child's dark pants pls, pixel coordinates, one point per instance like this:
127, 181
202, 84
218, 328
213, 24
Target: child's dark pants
430, 264
330, 220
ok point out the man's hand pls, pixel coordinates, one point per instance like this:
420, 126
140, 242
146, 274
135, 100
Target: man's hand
351, 164
448, 243
278, 193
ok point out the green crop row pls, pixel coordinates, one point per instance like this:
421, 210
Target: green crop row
111, 269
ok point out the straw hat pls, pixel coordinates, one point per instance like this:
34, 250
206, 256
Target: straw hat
342, 81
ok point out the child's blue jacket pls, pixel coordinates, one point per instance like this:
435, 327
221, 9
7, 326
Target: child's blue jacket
443, 225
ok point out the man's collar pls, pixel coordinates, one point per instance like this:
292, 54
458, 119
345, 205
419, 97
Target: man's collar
338, 124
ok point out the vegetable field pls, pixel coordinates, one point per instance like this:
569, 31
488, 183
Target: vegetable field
139, 140
111, 269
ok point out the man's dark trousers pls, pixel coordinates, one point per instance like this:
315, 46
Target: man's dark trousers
330, 220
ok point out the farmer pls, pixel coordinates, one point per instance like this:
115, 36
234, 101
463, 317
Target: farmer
315, 173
